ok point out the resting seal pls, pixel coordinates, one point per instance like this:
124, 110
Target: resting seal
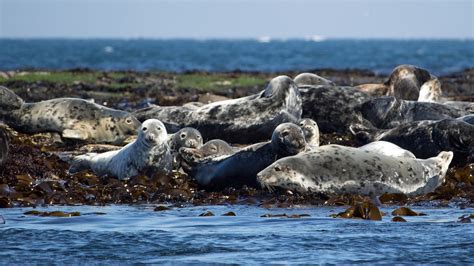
431, 92
426, 139
73, 118
149, 154
403, 83
311, 132
243, 120
334, 169
187, 137
389, 112
242, 167
332, 107
211, 149
388, 149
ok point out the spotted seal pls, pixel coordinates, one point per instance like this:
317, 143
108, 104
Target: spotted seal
148, 154
243, 120
211, 149
389, 112
334, 169
4, 147
431, 92
311, 132
242, 167
426, 139
73, 118
332, 107
403, 83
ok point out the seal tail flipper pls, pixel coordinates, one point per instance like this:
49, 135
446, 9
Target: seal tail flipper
81, 163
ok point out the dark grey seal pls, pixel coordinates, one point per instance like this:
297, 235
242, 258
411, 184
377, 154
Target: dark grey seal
426, 139
73, 118
389, 112
244, 120
242, 167
467, 118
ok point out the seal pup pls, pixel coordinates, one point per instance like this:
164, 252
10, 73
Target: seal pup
426, 139
431, 92
311, 132
388, 149
211, 149
73, 118
4, 143
149, 154
241, 168
403, 83
187, 137
311, 79
335, 169
332, 107
243, 120
389, 112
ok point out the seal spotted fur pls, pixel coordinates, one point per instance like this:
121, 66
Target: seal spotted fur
73, 118
334, 169
149, 153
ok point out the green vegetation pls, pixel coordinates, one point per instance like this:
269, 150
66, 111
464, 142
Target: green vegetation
59, 77
212, 82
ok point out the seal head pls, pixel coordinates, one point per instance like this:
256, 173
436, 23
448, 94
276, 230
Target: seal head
288, 139
9, 100
311, 132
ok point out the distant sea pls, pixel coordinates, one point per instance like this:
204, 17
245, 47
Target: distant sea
380, 56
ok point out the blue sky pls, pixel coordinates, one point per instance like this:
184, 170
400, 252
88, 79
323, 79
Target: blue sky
236, 19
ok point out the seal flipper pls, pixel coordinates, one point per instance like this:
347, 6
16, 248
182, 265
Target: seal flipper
81, 163
364, 132
75, 134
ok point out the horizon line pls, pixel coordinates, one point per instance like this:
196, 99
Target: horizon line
263, 39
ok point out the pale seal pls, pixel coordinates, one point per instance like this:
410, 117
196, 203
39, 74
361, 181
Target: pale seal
243, 120
388, 149
311, 79
242, 167
403, 83
389, 112
334, 169
311, 132
148, 154
426, 139
73, 118
332, 107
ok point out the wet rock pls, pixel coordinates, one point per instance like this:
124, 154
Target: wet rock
405, 211
229, 214
366, 210
208, 213
2, 220
465, 219
398, 219
161, 208
393, 198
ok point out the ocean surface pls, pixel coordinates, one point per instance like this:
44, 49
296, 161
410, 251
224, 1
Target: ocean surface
265, 55
137, 234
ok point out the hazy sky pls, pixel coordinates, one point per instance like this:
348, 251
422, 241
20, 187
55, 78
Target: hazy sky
237, 18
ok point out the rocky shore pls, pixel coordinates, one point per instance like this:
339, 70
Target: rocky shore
35, 175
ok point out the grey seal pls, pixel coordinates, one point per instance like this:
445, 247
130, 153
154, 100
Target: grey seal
403, 83
332, 107
311, 132
73, 118
311, 79
241, 168
148, 154
187, 137
211, 149
431, 92
334, 169
426, 139
243, 120
388, 149
389, 112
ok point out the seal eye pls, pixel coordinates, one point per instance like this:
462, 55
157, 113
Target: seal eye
144, 129
285, 133
277, 168
198, 137
183, 135
128, 121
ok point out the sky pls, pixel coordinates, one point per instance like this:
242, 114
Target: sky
203, 19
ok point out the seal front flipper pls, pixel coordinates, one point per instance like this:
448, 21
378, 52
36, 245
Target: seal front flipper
75, 134
81, 163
